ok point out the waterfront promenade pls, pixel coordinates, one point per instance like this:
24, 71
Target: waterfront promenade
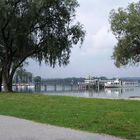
12, 128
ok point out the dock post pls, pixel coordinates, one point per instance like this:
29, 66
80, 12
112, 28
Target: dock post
71, 87
98, 84
55, 87
45, 87
63, 87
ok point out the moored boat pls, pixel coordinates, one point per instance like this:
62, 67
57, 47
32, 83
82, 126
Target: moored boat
121, 84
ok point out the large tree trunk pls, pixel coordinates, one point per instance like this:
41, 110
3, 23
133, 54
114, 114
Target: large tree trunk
8, 73
0, 81
7, 82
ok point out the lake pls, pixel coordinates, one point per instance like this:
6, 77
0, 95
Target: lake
66, 90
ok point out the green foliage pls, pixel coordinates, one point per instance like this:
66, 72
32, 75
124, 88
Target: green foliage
125, 25
22, 76
37, 79
114, 117
40, 29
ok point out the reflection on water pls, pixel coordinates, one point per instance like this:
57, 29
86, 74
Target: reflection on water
73, 91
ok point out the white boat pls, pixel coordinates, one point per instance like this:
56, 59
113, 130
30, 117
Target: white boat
121, 84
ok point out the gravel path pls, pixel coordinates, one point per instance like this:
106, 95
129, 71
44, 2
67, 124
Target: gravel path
12, 128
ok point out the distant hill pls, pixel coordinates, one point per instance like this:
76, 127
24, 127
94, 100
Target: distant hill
75, 80
131, 78
71, 80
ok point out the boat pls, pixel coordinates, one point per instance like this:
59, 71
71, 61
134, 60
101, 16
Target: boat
121, 84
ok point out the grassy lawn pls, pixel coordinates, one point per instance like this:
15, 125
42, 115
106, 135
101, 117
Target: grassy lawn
114, 117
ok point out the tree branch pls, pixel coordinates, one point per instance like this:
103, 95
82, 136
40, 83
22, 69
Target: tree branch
20, 62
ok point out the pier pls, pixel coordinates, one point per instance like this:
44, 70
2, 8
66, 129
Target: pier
92, 84
55, 87
88, 84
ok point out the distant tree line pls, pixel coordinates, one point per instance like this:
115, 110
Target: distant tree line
23, 76
72, 80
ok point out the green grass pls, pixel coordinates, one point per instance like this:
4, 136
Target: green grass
115, 117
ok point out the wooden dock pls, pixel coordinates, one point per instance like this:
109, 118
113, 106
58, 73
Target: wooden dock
91, 84
54, 87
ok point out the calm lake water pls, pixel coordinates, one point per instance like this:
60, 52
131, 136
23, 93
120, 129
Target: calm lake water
73, 91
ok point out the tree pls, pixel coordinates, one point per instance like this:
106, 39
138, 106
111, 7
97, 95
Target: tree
22, 76
125, 25
0, 80
40, 29
1, 69
29, 77
37, 79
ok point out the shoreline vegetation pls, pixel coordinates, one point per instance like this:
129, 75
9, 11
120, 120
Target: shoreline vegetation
119, 118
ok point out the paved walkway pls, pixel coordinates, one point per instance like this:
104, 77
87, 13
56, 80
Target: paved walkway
12, 128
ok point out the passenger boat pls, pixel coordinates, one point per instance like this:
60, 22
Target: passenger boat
121, 84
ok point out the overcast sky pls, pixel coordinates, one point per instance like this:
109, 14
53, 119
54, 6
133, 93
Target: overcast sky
94, 58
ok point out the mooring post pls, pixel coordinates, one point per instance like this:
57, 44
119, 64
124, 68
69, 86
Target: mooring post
45, 87
55, 87
71, 87
63, 87
98, 85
